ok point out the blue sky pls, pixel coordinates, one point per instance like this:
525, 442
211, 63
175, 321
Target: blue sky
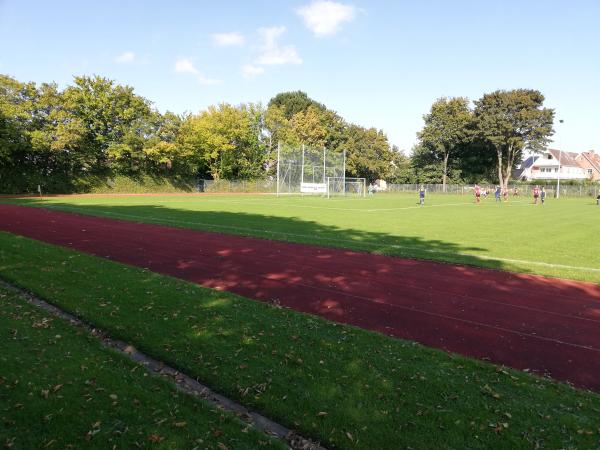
377, 63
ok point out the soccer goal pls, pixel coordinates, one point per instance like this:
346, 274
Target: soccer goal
344, 186
304, 170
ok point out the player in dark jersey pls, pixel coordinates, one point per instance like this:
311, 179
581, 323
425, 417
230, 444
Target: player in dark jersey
543, 195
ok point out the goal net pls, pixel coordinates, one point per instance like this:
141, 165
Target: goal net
304, 170
343, 186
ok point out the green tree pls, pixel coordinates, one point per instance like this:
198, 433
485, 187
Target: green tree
368, 153
308, 128
291, 103
509, 122
226, 141
112, 116
446, 130
402, 170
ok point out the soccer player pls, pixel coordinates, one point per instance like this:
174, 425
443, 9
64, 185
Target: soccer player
498, 193
422, 195
543, 195
477, 193
536, 194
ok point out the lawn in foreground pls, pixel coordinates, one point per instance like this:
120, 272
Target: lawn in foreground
60, 388
347, 387
557, 239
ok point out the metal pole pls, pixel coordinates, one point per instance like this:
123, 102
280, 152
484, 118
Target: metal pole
559, 159
302, 172
278, 156
324, 166
344, 171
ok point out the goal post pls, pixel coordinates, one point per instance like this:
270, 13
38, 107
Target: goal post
344, 186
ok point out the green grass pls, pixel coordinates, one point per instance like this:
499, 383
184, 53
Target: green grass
347, 387
59, 388
558, 239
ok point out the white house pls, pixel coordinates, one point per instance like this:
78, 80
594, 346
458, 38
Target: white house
546, 166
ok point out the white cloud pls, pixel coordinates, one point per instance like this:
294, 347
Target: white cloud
228, 39
274, 54
185, 65
324, 17
250, 70
125, 58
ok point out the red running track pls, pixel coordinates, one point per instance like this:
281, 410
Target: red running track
547, 325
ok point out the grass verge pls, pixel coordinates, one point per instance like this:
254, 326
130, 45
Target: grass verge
60, 388
347, 387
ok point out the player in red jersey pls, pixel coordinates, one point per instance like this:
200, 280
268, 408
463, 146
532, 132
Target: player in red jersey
477, 193
536, 194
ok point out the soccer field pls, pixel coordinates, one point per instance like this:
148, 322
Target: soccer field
557, 239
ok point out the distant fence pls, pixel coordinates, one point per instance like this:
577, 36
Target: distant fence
523, 189
268, 186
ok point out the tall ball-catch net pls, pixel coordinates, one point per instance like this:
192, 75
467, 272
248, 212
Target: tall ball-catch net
305, 170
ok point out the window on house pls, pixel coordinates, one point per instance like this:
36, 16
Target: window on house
556, 170
549, 156
590, 172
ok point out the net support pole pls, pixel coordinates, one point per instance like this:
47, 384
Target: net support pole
302, 172
278, 163
344, 171
324, 167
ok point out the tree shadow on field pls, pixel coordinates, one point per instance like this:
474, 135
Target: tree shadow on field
515, 319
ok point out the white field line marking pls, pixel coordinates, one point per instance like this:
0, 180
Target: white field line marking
298, 206
144, 219
419, 206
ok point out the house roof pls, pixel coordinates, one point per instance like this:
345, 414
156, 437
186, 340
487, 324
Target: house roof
526, 164
564, 158
592, 158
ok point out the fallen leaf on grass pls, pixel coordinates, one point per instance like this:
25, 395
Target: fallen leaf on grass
155, 438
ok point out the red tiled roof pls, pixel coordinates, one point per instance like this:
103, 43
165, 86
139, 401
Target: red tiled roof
564, 158
593, 159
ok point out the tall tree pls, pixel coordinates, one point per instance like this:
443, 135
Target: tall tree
309, 128
109, 112
226, 142
402, 171
368, 153
509, 122
292, 103
446, 130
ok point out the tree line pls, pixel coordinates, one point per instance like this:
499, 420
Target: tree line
95, 128
485, 142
